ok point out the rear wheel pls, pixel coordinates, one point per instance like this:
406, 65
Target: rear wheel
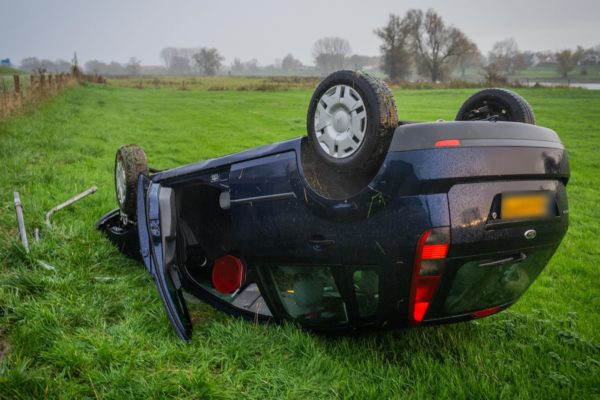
130, 162
351, 118
496, 105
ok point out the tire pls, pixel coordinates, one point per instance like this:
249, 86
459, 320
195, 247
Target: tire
350, 121
496, 104
130, 162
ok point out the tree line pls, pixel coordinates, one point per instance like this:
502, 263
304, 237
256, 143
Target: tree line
416, 45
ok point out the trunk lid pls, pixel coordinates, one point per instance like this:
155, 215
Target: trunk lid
495, 251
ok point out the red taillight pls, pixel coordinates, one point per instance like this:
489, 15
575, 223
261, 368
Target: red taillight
432, 250
228, 274
447, 143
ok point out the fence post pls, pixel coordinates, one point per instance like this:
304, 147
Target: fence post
50, 83
17, 84
42, 83
32, 84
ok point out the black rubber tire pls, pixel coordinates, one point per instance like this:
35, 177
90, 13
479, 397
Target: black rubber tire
506, 105
382, 120
134, 162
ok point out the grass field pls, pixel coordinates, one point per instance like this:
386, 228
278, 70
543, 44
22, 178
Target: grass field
82, 321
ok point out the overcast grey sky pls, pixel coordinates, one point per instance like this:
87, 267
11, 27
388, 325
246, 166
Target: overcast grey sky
269, 29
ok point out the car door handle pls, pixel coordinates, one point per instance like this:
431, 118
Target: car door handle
509, 260
321, 244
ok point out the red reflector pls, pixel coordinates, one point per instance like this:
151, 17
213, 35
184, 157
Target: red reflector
447, 143
420, 310
485, 312
434, 251
228, 274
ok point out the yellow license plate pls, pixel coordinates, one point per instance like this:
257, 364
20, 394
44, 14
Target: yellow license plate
520, 206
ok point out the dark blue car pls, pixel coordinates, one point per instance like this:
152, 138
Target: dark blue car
367, 223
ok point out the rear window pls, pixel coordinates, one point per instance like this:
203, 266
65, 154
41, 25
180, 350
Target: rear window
482, 284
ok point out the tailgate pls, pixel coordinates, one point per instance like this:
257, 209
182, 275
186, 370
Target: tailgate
508, 207
493, 260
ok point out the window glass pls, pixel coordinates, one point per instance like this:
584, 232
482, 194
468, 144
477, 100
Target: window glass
476, 287
366, 289
309, 294
248, 297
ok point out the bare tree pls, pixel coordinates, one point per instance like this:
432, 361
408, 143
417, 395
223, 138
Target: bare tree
567, 60
289, 63
208, 61
180, 65
133, 66
95, 67
237, 67
394, 49
30, 64
492, 76
167, 54
436, 45
179, 60
61, 65
331, 53
505, 55
470, 58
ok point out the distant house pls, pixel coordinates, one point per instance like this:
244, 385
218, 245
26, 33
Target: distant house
591, 57
5, 62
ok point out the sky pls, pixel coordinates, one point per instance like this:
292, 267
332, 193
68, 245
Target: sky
268, 29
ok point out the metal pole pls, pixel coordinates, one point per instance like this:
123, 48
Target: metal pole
67, 203
21, 221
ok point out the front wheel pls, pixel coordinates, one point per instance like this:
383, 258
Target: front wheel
351, 118
130, 162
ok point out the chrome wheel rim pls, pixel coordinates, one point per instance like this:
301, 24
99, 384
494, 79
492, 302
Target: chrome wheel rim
340, 121
120, 182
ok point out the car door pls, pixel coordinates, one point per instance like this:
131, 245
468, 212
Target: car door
158, 234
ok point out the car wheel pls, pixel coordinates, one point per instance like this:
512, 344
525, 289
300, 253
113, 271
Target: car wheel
350, 121
497, 105
130, 162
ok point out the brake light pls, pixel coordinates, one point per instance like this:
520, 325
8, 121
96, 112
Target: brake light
432, 250
447, 143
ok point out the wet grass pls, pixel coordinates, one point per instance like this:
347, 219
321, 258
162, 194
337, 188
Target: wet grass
79, 320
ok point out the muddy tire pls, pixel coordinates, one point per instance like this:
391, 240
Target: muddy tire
496, 104
130, 162
350, 121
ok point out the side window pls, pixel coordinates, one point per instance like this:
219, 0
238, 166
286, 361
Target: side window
309, 294
366, 290
243, 294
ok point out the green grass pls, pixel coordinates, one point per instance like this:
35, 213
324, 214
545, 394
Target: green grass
549, 72
4, 70
83, 321
539, 73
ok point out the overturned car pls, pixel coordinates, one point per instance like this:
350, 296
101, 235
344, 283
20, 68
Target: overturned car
367, 223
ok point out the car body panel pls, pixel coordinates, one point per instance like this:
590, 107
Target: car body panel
278, 223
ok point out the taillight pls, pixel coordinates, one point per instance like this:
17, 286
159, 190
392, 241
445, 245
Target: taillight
432, 250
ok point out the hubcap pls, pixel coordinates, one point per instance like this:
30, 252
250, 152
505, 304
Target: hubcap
340, 121
120, 182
